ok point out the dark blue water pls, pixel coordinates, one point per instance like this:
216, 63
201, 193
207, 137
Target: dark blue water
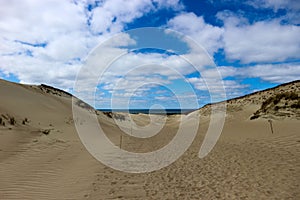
152, 111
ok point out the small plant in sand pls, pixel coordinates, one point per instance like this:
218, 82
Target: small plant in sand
108, 114
255, 116
2, 123
296, 105
46, 132
12, 121
25, 121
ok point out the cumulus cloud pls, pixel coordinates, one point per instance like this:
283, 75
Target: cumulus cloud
262, 41
133, 71
220, 90
275, 4
39, 21
170, 4
55, 36
206, 35
113, 14
274, 73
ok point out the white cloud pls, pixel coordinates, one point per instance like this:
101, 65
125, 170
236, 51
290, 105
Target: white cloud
64, 30
217, 89
101, 20
32, 70
64, 48
274, 73
275, 4
113, 14
59, 25
151, 63
39, 21
263, 41
204, 34
173, 4
291, 7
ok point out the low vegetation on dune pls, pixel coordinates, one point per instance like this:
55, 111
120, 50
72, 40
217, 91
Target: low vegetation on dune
84, 105
286, 104
2, 122
52, 90
6, 119
115, 116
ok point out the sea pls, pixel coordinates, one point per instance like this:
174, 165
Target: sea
151, 111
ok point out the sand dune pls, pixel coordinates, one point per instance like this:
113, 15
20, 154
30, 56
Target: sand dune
42, 157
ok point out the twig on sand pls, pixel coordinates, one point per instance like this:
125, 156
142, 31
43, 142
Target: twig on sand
271, 125
121, 137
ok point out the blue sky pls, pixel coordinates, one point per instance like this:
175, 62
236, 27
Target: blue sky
254, 45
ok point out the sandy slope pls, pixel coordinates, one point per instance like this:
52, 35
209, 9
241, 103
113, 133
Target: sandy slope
248, 162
